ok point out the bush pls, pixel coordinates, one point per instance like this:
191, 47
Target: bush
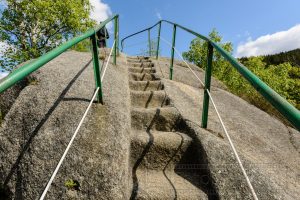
281, 77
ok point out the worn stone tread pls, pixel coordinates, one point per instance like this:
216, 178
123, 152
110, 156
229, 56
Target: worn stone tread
142, 69
146, 85
162, 185
149, 99
161, 119
143, 77
157, 147
159, 150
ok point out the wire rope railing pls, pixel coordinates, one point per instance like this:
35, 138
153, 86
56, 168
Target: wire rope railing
69, 146
31, 67
107, 62
279, 103
145, 49
283, 106
25, 70
76, 131
221, 121
139, 43
180, 56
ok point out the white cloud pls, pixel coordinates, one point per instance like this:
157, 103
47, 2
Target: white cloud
158, 15
271, 43
100, 11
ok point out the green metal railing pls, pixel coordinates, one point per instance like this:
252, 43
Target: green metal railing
25, 70
283, 106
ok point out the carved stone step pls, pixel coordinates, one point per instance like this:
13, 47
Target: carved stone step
146, 85
149, 99
141, 70
142, 77
160, 119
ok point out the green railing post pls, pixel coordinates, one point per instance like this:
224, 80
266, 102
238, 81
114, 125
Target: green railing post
210, 51
158, 40
122, 46
149, 41
282, 105
172, 52
116, 39
96, 68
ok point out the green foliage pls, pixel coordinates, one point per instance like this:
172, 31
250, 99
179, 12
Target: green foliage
72, 184
295, 73
292, 57
197, 53
283, 78
83, 46
278, 78
30, 28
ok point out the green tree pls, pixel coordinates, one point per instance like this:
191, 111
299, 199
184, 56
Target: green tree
32, 27
197, 53
152, 49
83, 46
283, 77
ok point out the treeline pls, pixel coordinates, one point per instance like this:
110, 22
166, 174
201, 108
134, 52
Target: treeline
292, 57
280, 71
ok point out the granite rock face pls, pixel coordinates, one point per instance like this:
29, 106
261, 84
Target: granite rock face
42, 117
8, 97
41, 121
161, 152
269, 150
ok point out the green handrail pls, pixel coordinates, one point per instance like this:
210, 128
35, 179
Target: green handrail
283, 106
122, 41
158, 40
25, 70
172, 52
149, 41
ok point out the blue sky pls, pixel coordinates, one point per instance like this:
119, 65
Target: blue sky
255, 27
238, 21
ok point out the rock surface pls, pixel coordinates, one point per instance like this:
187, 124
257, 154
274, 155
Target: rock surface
161, 158
43, 117
41, 122
269, 149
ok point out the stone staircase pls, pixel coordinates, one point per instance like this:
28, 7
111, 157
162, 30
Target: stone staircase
162, 157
